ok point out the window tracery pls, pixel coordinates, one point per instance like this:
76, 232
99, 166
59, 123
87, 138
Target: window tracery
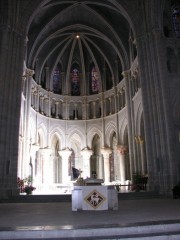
94, 80
75, 82
57, 80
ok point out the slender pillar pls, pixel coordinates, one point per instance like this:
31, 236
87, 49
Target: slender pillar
86, 154
141, 144
65, 154
84, 110
130, 117
110, 106
34, 149
122, 151
47, 77
47, 177
100, 173
87, 111
42, 105
105, 152
56, 107
94, 109
75, 106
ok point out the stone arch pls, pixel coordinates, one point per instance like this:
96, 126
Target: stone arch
42, 132
55, 158
96, 144
77, 135
140, 146
91, 133
110, 129
122, 130
96, 156
75, 144
60, 136
32, 130
138, 117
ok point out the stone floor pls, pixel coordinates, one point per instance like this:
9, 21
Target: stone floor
59, 216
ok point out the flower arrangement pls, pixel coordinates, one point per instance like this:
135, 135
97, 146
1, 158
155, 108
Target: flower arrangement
28, 189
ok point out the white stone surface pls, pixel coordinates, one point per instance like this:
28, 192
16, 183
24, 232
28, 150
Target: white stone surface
94, 198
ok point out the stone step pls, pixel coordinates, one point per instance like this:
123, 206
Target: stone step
67, 197
38, 198
153, 230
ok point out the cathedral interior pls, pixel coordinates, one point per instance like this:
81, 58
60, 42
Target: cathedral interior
91, 85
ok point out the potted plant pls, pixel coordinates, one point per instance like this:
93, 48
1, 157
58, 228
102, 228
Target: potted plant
28, 189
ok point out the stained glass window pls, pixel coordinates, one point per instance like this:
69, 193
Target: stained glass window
94, 81
176, 20
57, 80
75, 82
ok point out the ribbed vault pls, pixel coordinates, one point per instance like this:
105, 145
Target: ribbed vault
79, 34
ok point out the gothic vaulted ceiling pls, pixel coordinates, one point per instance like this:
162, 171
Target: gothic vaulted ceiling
81, 33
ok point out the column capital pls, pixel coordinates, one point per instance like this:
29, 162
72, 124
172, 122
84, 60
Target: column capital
65, 153
122, 149
29, 72
86, 153
105, 152
45, 151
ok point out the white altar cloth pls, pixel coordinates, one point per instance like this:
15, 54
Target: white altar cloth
94, 198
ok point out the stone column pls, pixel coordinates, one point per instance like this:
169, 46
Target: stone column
142, 157
56, 109
65, 154
27, 106
20, 157
110, 106
102, 108
121, 99
86, 154
117, 102
67, 110
34, 149
63, 110
37, 98
12, 54
122, 151
41, 104
105, 110
47, 78
47, 103
47, 177
94, 109
130, 118
87, 111
100, 168
105, 152
46, 107
84, 110
32, 98
75, 111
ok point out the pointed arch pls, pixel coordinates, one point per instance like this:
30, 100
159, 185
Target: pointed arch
77, 136
91, 133
110, 129
59, 134
42, 132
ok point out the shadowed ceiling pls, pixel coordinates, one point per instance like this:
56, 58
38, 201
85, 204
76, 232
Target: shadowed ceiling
80, 33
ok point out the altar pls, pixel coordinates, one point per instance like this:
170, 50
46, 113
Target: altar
97, 197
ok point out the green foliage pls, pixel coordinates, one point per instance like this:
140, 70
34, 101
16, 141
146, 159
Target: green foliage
28, 180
